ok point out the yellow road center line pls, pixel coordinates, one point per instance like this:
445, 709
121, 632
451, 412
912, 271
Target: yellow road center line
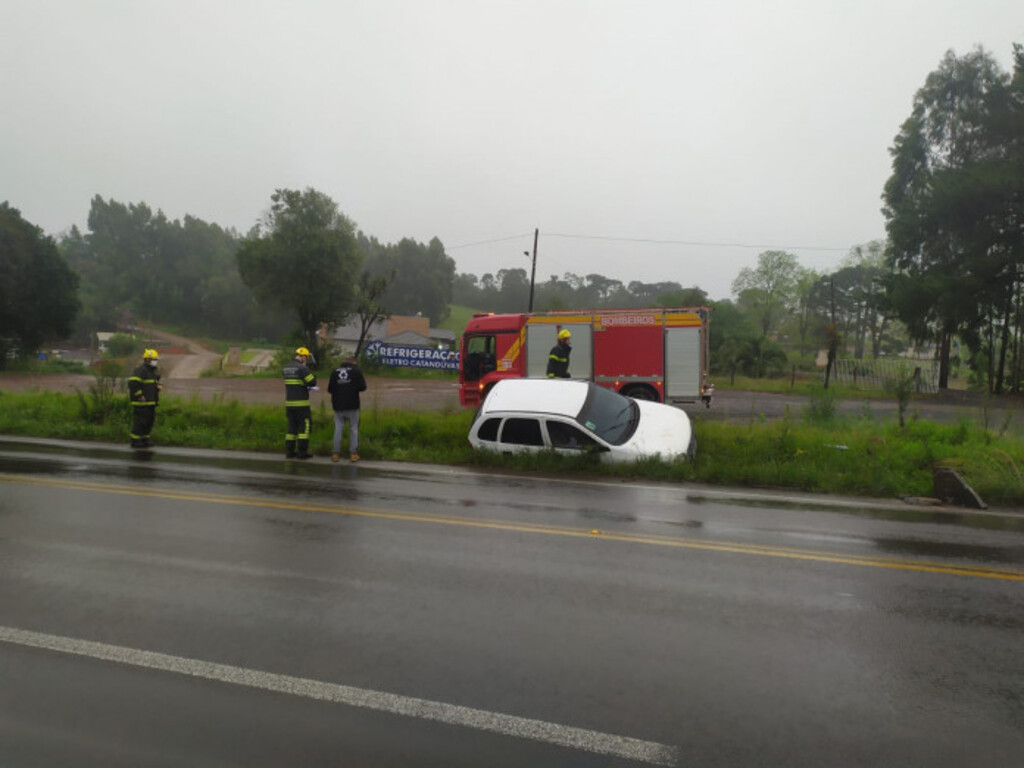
792, 553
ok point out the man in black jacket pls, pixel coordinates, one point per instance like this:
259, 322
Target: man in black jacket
345, 385
144, 393
298, 380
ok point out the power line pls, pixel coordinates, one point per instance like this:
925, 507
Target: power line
696, 242
488, 242
700, 243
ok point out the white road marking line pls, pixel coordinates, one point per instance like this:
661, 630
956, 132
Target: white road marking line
449, 714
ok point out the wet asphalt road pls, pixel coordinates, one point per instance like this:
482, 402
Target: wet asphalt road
199, 608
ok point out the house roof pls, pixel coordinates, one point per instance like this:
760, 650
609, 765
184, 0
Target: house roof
408, 339
349, 332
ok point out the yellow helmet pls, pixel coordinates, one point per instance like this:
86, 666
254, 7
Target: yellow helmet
564, 334
150, 354
302, 351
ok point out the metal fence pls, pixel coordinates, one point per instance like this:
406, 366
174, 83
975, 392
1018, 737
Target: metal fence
883, 374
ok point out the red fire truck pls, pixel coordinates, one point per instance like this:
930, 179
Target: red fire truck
648, 354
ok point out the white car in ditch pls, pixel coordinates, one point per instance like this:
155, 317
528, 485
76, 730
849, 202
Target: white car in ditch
573, 417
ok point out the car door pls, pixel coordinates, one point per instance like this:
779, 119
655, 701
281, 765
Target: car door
569, 439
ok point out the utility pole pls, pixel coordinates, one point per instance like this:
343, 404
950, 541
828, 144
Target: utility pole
533, 272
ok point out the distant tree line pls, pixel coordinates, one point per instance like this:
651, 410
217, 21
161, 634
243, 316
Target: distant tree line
950, 275
138, 266
782, 315
509, 291
302, 265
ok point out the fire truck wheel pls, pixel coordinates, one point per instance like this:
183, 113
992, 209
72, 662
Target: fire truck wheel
640, 393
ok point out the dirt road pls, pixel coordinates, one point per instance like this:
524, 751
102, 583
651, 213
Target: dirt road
188, 366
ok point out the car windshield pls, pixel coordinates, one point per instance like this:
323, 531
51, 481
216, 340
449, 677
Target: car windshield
609, 415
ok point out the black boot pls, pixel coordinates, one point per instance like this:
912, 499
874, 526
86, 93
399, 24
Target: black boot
304, 450
289, 449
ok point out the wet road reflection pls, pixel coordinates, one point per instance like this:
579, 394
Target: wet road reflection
736, 630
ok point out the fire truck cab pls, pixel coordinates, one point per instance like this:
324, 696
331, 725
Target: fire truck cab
647, 354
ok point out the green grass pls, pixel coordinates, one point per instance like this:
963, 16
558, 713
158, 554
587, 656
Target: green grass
50, 365
458, 319
394, 372
848, 456
803, 385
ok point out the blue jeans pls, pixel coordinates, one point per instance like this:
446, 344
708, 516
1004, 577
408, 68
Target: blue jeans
352, 417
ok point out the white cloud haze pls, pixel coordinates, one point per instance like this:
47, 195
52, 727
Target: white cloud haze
677, 130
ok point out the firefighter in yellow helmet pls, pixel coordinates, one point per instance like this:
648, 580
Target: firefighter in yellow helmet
558, 360
298, 381
144, 392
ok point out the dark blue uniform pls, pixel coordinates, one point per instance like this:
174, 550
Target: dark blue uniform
298, 380
144, 393
558, 361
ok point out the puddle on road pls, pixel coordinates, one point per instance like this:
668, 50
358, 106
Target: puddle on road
917, 548
988, 520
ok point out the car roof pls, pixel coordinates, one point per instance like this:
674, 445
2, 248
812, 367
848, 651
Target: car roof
557, 396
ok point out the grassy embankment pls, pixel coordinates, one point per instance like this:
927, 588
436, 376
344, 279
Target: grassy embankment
816, 450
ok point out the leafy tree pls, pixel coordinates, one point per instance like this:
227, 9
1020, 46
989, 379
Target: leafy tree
803, 317
866, 272
949, 270
38, 290
490, 293
767, 292
555, 293
853, 298
729, 357
601, 288
683, 297
508, 292
97, 312
466, 290
737, 346
730, 331
763, 357
514, 290
369, 304
1008, 132
134, 261
123, 345
424, 274
649, 294
303, 256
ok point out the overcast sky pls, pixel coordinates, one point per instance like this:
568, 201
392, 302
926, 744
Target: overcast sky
646, 140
